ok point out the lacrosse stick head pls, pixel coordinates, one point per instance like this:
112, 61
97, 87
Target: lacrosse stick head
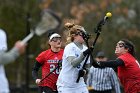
49, 21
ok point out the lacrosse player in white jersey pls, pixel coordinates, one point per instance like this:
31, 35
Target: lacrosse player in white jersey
73, 59
7, 57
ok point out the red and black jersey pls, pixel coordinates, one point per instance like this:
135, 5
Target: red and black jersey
130, 73
49, 61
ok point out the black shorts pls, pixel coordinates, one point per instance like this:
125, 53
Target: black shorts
45, 89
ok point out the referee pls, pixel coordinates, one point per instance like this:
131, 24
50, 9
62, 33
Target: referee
103, 80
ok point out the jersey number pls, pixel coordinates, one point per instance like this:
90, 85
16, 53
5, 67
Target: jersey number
52, 67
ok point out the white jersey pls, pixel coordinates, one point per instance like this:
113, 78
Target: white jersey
3, 41
4, 86
69, 74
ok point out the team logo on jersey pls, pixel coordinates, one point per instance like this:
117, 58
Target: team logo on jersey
55, 58
76, 55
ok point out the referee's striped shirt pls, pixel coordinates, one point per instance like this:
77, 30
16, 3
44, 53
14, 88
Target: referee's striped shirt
103, 79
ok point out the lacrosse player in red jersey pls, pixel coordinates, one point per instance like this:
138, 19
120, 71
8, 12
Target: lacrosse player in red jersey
128, 66
49, 60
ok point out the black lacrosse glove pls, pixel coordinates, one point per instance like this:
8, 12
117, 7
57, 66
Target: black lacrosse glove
98, 64
88, 51
82, 72
60, 64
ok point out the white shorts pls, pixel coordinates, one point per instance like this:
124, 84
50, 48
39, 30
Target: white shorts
72, 90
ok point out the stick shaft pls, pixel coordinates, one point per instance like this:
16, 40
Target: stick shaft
49, 74
28, 37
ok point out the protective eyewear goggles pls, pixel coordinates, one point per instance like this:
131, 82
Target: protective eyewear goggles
121, 45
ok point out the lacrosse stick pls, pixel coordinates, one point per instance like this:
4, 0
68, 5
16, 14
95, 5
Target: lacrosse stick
57, 67
97, 31
49, 21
